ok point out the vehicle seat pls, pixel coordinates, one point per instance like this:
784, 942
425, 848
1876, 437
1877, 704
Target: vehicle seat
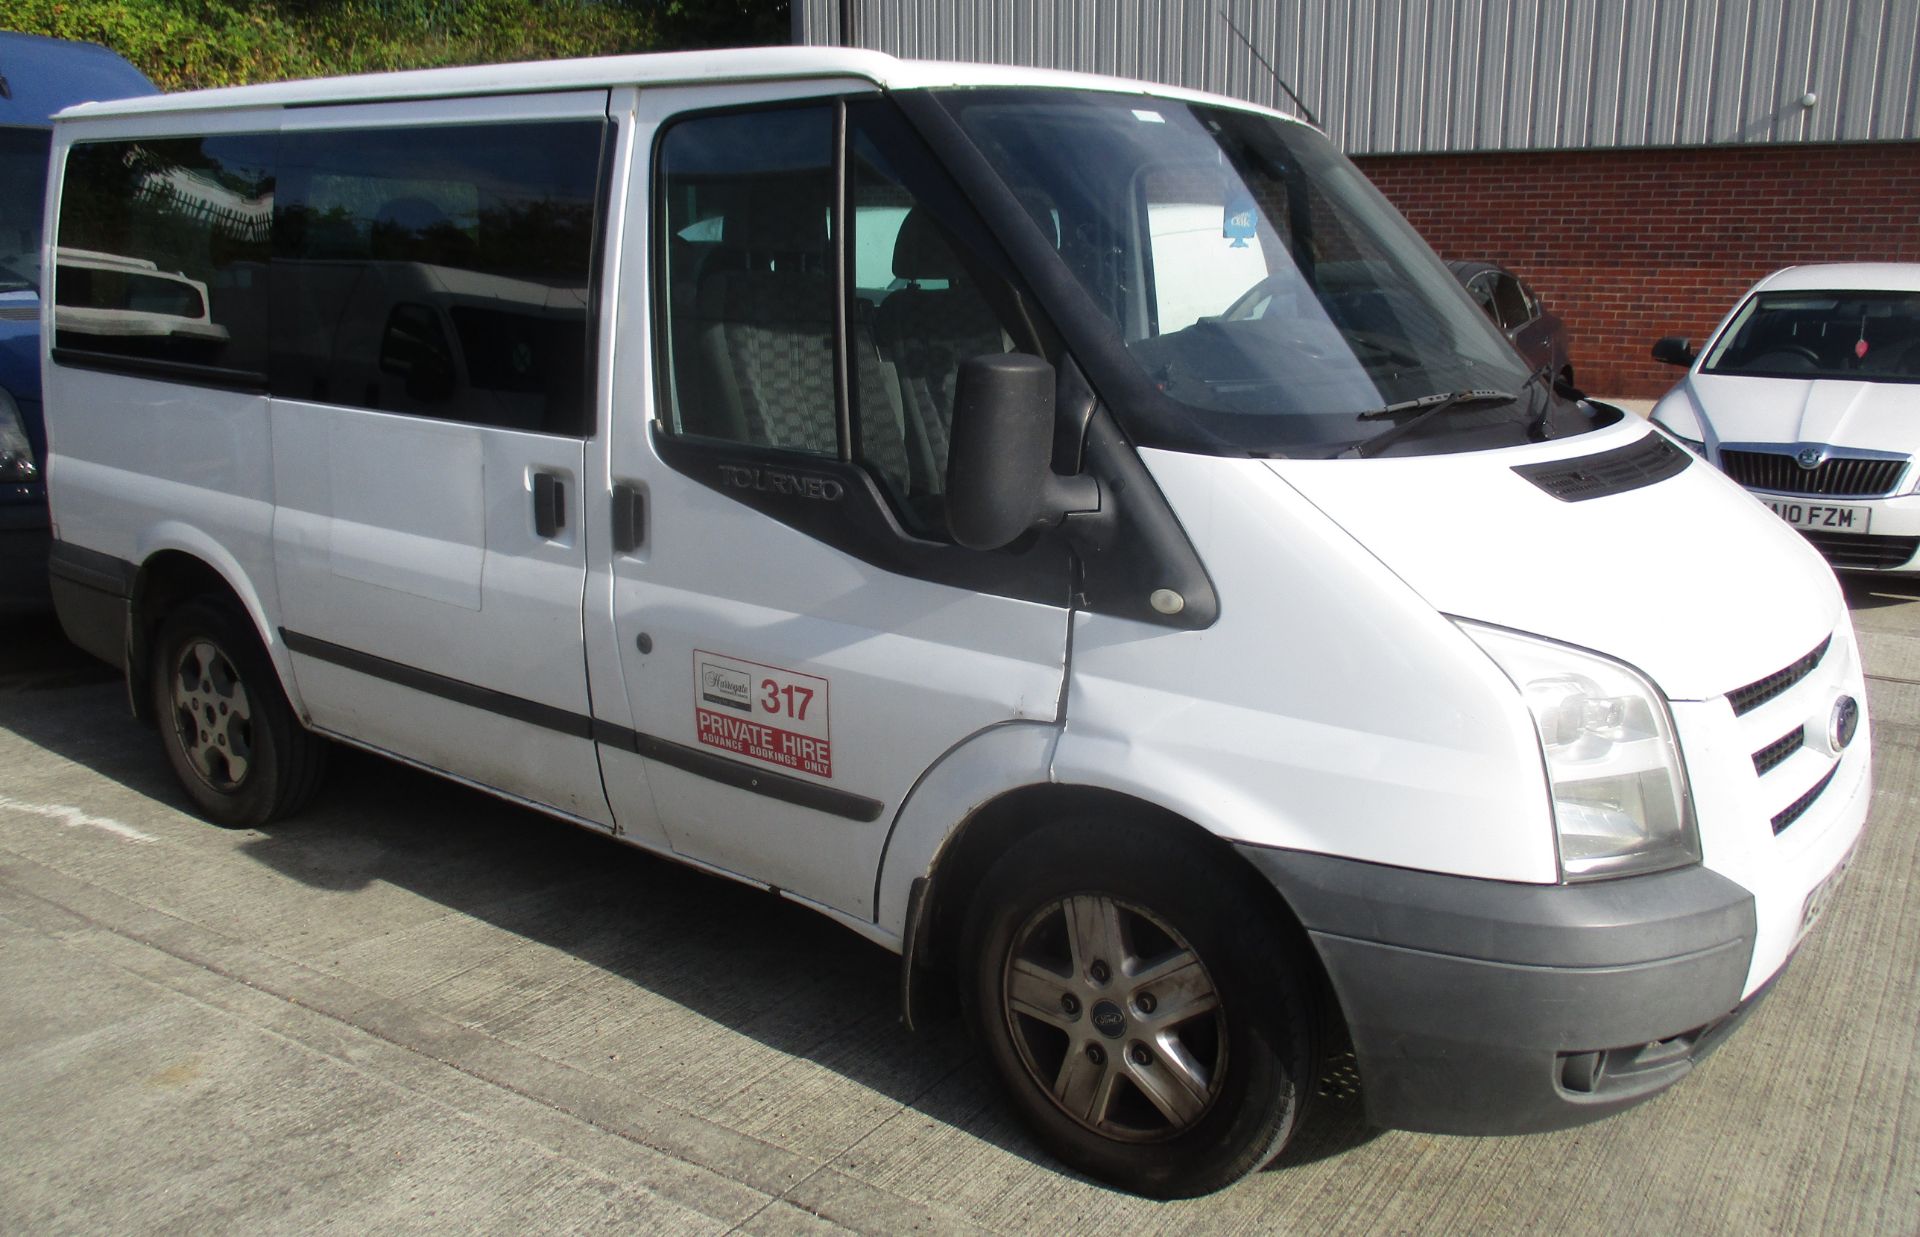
760, 366
926, 333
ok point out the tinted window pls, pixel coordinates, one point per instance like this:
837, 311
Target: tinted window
23, 189
1510, 303
163, 249
439, 272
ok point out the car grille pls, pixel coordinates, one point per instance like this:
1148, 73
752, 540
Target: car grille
1798, 808
1753, 695
1781, 474
1863, 552
19, 313
1769, 757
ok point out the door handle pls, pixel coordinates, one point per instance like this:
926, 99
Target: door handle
629, 518
549, 504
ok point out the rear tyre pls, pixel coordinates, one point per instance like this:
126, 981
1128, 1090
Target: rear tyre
1146, 1016
232, 739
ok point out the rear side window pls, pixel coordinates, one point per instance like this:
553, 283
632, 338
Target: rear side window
439, 272
162, 254
1510, 302
23, 189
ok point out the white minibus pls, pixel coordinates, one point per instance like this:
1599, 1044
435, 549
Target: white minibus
1204, 645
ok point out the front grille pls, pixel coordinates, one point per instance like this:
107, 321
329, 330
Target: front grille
1781, 474
1770, 757
1863, 552
1753, 695
1798, 808
19, 313
1637, 464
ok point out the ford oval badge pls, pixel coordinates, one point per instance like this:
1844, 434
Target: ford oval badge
1108, 1020
1844, 724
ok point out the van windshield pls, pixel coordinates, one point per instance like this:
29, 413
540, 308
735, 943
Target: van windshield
23, 191
1269, 293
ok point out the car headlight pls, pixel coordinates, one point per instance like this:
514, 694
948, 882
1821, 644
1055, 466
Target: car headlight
1619, 787
17, 464
1694, 445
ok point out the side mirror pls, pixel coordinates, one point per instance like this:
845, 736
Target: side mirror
1000, 479
1674, 350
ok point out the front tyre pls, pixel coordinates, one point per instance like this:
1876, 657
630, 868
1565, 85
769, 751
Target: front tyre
1149, 1019
233, 741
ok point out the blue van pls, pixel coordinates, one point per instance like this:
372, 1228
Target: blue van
38, 77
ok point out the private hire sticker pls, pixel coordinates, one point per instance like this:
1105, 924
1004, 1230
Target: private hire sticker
775, 716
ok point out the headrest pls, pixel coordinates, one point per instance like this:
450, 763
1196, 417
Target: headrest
921, 250
782, 215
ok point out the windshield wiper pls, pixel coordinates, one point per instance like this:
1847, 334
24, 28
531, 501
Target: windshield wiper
1425, 409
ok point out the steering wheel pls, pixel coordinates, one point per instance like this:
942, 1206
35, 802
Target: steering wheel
1265, 290
1775, 354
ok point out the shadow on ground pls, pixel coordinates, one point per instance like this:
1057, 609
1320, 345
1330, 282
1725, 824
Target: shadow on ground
745, 959
1874, 592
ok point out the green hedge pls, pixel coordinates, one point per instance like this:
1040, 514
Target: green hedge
188, 44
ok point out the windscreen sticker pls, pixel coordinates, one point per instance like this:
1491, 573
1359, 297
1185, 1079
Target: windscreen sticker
775, 716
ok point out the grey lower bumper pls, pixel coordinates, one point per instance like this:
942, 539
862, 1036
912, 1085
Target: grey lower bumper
24, 539
1482, 1007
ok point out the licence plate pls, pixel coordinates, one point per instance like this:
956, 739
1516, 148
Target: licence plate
1824, 516
1822, 896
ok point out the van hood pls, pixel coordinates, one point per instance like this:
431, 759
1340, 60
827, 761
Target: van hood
1877, 416
1688, 579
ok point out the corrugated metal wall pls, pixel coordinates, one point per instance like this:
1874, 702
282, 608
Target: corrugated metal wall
1410, 76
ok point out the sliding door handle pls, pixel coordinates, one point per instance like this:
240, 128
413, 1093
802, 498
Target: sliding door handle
549, 504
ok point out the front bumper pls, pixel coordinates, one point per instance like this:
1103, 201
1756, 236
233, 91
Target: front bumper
1483, 1007
25, 538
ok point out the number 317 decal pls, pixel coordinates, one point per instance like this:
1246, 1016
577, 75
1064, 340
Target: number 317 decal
775, 716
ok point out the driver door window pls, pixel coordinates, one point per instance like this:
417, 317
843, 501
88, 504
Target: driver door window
751, 287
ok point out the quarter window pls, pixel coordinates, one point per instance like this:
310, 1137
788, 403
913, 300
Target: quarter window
162, 253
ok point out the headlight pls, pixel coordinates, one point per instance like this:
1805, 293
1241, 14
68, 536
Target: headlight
17, 464
1692, 444
1620, 801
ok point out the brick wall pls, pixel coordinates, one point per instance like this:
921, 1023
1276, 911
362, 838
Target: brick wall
1628, 246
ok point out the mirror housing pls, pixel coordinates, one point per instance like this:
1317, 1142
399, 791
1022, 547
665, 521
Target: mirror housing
1674, 350
1000, 478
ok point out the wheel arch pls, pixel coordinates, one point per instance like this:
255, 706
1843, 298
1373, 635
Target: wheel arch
937, 915
170, 575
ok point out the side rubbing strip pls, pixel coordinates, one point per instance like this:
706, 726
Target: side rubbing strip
518, 708
744, 777
716, 768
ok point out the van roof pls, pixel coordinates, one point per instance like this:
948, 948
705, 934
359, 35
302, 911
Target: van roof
656, 69
43, 75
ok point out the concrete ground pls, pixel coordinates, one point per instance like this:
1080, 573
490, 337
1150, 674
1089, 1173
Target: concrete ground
417, 1009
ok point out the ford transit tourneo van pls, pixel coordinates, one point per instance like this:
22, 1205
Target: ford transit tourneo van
1069, 531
